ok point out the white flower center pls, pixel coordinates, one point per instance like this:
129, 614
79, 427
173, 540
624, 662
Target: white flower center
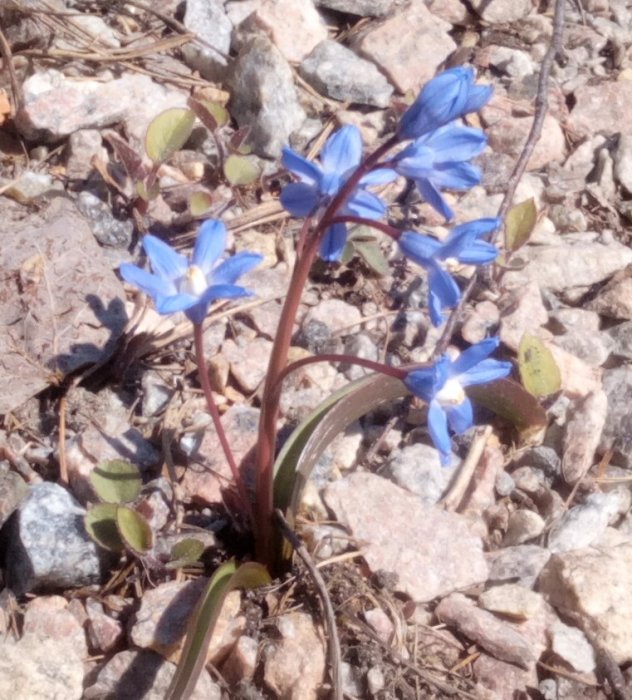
194, 281
451, 394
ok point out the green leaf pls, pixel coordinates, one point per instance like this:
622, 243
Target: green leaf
538, 370
241, 170
185, 552
519, 224
347, 253
372, 255
200, 202
202, 624
212, 114
168, 132
116, 481
134, 530
147, 193
100, 522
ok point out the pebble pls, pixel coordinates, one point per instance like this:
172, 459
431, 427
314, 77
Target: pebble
571, 645
621, 335
49, 617
362, 8
335, 314
13, 490
248, 360
337, 72
615, 299
103, 631
82, 146
617, 432
512, 600
359, 345
582, 434
208, 20
501, 11
156, 393
28, 187
524, 525
242, 661
48, 547
602, 107
107, 229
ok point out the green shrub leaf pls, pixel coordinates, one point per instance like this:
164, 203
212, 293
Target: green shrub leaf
241, 170
168, 132
100, 522
134, 530
519, 224
538, 370
200, 202
116, 481
185, 552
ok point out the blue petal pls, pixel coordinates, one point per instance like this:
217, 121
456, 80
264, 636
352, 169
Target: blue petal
164, 259
300, 199
444, 292
478, 96
380, 176
425, 382
438, 428
418, 247
435, 308
224, 291
455, 143
460, 417
333, 242
197, 313
473, 355
230, 270
365, 204
152, 285
478, 253
485, 371
476, 228
342, 151
434, 198
417, 160
301, 167
176, 302
455, 176
210, 245
462, 243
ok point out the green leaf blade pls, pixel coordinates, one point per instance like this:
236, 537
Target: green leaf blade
134, 530
168, 132
100, 523
539, 372
241, 170
519, 224
116, 481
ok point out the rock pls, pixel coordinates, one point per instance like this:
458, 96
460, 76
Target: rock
523, 562
208, 20
617, 432
375, 681
524, 525
48, 547
570, 645
155, 503
107, 229
335, 314
362, 8
480, 322
489, 632
500, 680
248, 360
521, 311
359, 345
623, 161
592, 587
542, 458
294, 26
512, 62
208, 476
511, 600
622, 339
48, 617
499, 11
418, 469
594, 349
381, 624
582, 435
13, 490
432, 552
264, 97
615, 299
577, 378
104, 632
408, 46
452, 11
242, 661
602, 107
92, 25
156, 393
54, 271
336, 72
143, 675
37, 668
294, 667
28, 186
81, 147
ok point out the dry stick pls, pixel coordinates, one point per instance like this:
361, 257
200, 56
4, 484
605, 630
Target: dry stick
335, 658
541, 106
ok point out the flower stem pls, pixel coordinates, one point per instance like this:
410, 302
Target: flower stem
198, 336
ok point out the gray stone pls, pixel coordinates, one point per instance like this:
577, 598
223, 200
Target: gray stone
523, 562
82, 146
359, 345
335, 71
541, 457
108, 230
362, 8
582, 434
156, 393
264, 97
208, 20
502, 10
48, 547
603, 106
571, 645
13, 490
514, 63
27, 187
617, 432
622, 337
418, 468
524, 525
623, 161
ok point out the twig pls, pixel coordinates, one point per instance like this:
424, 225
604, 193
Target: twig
7, 59
541, 106
63, 464
335, 658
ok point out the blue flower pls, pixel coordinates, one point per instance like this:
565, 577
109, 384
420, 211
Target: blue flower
179, 285
450, 95
442, 385
438, 161
462, 245
319, 184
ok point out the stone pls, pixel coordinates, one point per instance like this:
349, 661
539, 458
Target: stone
48, 546
578, 379
104, 632
432, 552
593, 349
37, 668
485, 629
208, 20
623, 161
335, 314
602, 107
242, 661
13, 490
295, 26
362, 8
480, 321
156, 393
452, 11
48, 617
582, 434
264, 97
617, 432
615, 299
570, 645
522, 562
248, 360
143, 675
408, 46
27, 187
524, 525
512, 62
418, 469
359, 345
500, 11
60, 302
107, 229
511, 600
294, 666
521, 311
591, 587
82, 146
621, 335
336, 72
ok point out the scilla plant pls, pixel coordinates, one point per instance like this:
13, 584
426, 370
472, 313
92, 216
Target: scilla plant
433, 148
